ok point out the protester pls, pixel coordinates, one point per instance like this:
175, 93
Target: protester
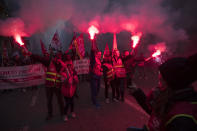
95, 76
16, 59
119, 76
108, 74
69, 85
140, 60
129, 64
172, 106
53, 80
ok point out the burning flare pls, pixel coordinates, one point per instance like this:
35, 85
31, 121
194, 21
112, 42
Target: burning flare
136, 39
157, 53
92, 31
18, 39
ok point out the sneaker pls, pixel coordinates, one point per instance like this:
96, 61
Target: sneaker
115, 100
107, 100
73, 115
65, 118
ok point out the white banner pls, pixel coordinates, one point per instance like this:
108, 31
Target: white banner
82, 66
21, 76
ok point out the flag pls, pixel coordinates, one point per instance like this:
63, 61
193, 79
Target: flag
114, 43
106, 50
72, 45
44, 51
55, 42
79, 45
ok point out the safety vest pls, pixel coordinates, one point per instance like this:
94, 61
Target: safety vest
110, 72
180, 109
53, 79
68, 82
119, 68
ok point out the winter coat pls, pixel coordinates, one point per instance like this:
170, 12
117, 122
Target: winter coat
69, 81
180, 113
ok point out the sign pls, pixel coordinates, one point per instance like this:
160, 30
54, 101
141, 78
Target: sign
21, 76
82, 66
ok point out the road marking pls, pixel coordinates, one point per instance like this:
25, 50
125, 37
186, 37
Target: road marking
133, 105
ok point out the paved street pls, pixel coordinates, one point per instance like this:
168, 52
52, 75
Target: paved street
27, 111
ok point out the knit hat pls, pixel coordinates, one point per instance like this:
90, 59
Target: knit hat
177, 72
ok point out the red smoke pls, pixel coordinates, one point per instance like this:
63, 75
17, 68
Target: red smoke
112, 16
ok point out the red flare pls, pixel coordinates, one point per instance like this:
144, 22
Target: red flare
92, 31
157, 53
18, 39
136, 39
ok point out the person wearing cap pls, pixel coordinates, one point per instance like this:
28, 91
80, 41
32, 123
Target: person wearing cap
173, 105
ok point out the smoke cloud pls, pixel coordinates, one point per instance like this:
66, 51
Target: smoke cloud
148, 17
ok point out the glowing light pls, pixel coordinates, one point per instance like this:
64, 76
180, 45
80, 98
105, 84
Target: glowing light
136, 39
92, 31
157, 53
18, 39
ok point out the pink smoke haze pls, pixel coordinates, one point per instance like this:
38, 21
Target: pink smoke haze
161, 46
35, 16
12, 27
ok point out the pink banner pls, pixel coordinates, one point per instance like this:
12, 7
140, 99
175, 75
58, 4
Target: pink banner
82, 66
21, 76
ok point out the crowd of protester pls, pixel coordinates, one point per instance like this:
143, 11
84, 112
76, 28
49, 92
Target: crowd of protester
163, 103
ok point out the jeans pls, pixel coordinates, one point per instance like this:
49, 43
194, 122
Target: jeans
95, 87
69, 103
49, 93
